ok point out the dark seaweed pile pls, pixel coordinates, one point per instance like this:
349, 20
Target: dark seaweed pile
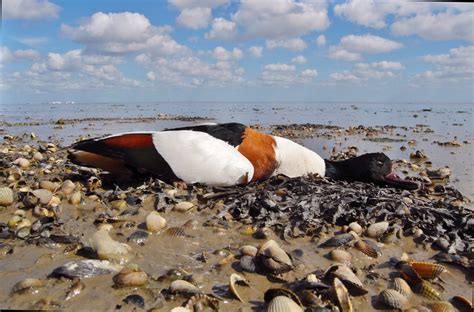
308, 205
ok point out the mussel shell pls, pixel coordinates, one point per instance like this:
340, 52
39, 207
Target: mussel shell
368, 247
138, 237
341, 295
400, 285
339, 240
247, 263
283, 304
393, 299
135, 299
428, 270
86, 268
348, 278
461, 303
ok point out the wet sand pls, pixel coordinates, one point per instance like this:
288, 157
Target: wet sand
196, 253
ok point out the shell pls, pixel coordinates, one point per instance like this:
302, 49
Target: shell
350, 280
6, 196
247, 263
183, 206
200, 302
248, 250
354, 226
400, 285
86, 268
75, 198
22, 162
28, 283
408, 273
107, 248
183, 287
441, 306
68, 187
377, 229
275, 292
368, 247
340, 240
234, 280
341, 295
135, 300
176, 231
130, 276
138, 237
428, 270
48, 185
426, 290
38, 156
155, 222
393, 299
118, 204
340, 256
283, 304
44, 196
76, 289
461, 303
274, 258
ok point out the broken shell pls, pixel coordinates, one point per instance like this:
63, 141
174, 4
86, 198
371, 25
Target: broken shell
86, 268
183, 287
248, 250
107, 248
283, 304
342, 296
274, 258
44, 196
93, 183
130, 276
377, 229
155, 222
183, 206
428, 270
28, 283
354, 226
368, 247
200, 302
426, 290
393, 299
54, 202
76, 289
400, 285
340, 240
75, 198
234, 280
340, 256
350, 280
48, 185
441, 306
6, 196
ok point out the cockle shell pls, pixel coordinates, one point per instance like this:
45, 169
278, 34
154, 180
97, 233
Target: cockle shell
340, 256
400, 285
107, 248
155, 222
183, 206
426, 290
441, 306
130, 276
377, 229
6, 196
44, 196
199, 302
274, 258
393, 299
428, 270
283, 304
368, 247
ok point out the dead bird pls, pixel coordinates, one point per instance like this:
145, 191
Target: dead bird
223, 155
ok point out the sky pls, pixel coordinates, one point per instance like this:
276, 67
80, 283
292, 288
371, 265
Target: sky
229, 50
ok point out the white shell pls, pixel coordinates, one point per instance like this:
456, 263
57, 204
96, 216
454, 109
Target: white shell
6, 196
107, 248
283, 304
155, 222
183, 206
377, 229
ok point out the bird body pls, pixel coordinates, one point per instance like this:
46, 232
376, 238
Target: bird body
218, 154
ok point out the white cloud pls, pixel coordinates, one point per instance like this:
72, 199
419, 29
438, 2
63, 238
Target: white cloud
194, 18
221, 54
294, 44
195, 14
32, 41
150, 76
310, 73
442, 26
122, 33
29, 9
256, 51
352, 47
28, 54
222, 29
321, 40
455, 66
280, 67
300, 59
5, 55
277, 19
363, 12
338, 53
365, 71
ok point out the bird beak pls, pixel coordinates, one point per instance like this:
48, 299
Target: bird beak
394, 180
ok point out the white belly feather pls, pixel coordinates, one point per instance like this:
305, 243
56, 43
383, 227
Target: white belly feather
198, 157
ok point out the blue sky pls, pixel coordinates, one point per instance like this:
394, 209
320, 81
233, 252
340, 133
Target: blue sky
222, 50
